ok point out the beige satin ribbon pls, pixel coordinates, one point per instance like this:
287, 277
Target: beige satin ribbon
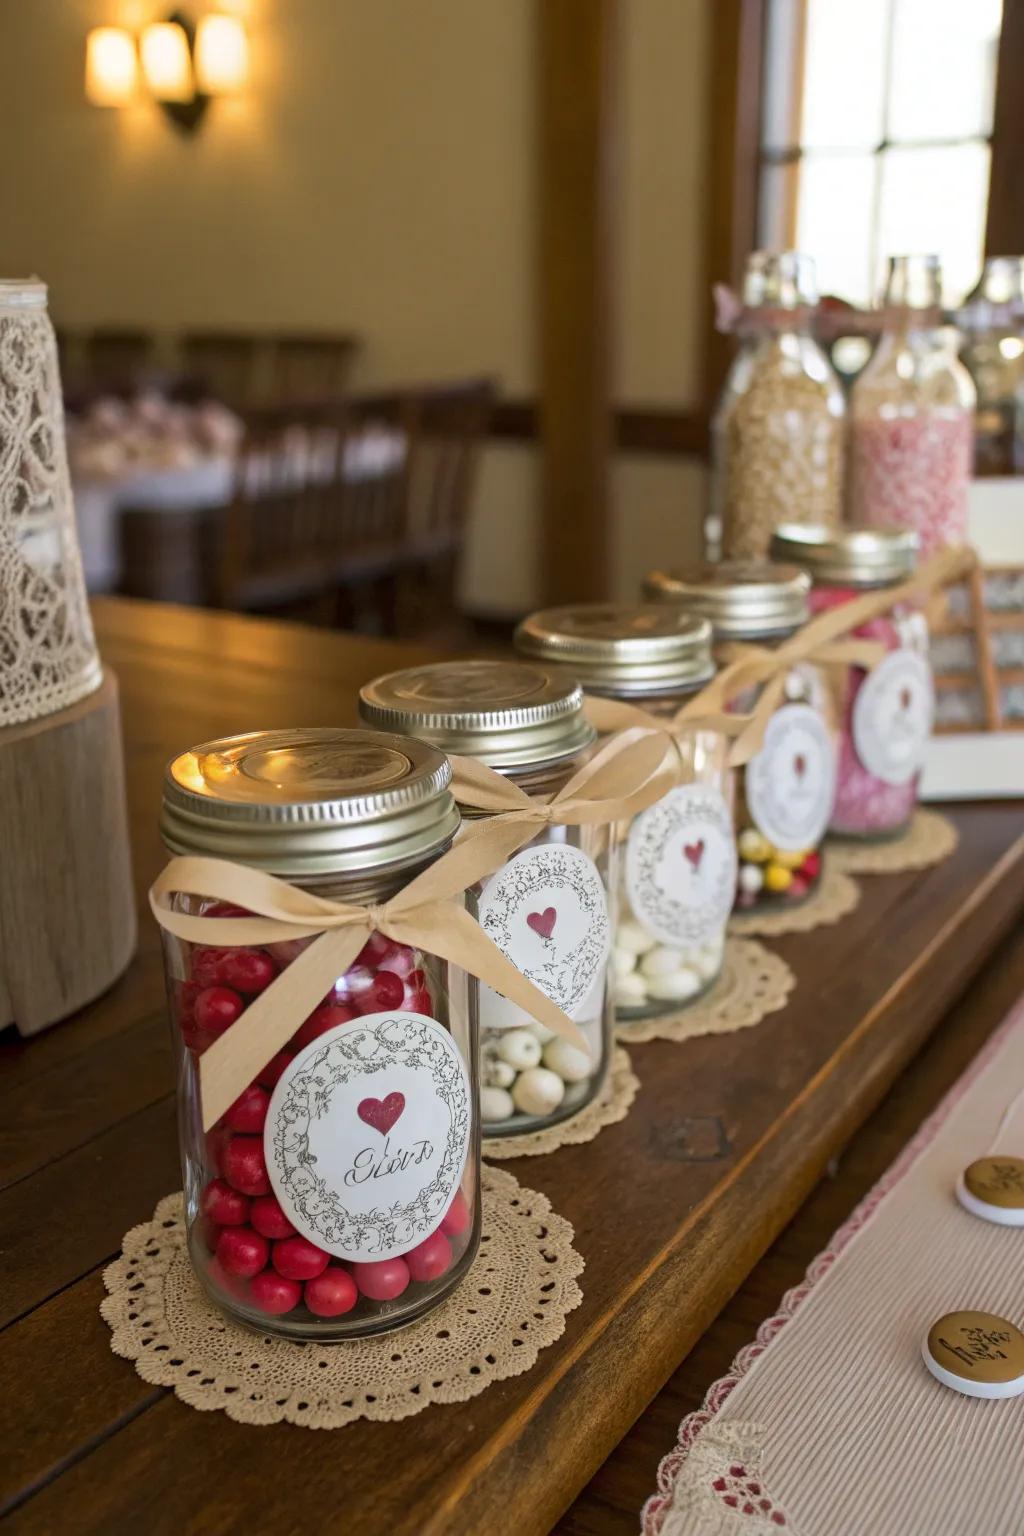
824, 641
623, 777
427, 914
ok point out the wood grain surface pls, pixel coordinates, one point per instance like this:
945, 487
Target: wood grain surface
672, 1208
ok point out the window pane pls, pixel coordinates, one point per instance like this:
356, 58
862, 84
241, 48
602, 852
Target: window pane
834, 221
943, 68
844, 73
935, 200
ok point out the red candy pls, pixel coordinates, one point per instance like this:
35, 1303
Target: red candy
216, 1009
225, 909
387, 991
332, 1293
374, 952
298, 1259
354, 985
810, 869
430, 1258
244, 1165
382, 1281
457, 1217
247, 970
267, 1217
327, 1016
421, 1002
234, 1285
249, 1111
274, 1294
224, 1205
241, 1251
274, 1067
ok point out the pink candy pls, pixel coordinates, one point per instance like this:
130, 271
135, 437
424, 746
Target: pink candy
912, 472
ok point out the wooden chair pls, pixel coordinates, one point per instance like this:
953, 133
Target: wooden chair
224, 365
116, 359
310, 370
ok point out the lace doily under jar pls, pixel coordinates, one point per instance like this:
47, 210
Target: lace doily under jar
512, 1304
48, 657
611, 1105
836, 896
928, 840
751, 984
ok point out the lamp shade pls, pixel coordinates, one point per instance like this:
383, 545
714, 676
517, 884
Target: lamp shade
167, 62
222, 55
111, 67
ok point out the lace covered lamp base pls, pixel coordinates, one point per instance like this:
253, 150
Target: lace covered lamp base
752, 984
512, 1304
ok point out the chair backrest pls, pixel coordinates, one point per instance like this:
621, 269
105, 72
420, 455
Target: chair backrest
310, 370
116, 359
225, 365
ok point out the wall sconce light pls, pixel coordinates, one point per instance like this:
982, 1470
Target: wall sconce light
182, 65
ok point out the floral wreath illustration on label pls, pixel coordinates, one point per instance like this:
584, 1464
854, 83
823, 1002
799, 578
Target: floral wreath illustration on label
790, 784
547, 911
681, 866
892, 716
367, 1135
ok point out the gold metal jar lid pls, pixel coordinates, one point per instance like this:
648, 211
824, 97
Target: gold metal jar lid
618, 648
310, 802
743, 599
857, 557
504, 713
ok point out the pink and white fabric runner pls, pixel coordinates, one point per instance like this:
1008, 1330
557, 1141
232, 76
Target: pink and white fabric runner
829, 1424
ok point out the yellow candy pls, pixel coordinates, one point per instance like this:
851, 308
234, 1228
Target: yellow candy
777, 878
753, 847
789, 860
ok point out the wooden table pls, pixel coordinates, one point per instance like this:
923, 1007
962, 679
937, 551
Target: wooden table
672, 1208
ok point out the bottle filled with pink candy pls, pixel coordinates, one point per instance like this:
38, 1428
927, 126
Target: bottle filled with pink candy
338, 1194
911, 418
886, 713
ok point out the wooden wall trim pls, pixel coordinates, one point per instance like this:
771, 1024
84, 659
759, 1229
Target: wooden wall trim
635, 428
1004, 233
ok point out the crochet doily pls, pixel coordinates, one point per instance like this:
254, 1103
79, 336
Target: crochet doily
512, 1304
751, 984
47, 649
617, 1093
928, 840
835, 896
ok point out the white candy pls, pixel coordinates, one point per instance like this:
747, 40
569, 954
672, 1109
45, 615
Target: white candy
496, 1104
498, 1073
623, 961
538, 1091
675, 988
707, 963
662, 961
632, 937
571, 1064
575, 1093
541, 1032
519, 1048
751, 878
630, 990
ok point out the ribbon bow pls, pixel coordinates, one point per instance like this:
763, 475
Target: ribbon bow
625, 776
427, 915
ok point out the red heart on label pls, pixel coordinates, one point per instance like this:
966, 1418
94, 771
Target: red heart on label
905, 697
694, 852
382, 1113
542, 922
800, 764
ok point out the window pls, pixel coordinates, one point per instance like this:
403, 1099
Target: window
876, 136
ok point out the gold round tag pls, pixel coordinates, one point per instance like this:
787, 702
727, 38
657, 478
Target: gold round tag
993, 1188
976, 1353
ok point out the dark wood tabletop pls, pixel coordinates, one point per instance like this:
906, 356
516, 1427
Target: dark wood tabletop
672, 1208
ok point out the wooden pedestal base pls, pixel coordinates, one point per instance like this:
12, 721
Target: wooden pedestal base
67, 909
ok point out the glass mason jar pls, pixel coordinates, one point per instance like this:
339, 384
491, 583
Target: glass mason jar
677, 865
380, 1079
549, 908
912, 418
777, 434
991, 325
886, 714
783, 795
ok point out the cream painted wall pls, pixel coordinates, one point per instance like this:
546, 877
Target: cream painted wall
378, 176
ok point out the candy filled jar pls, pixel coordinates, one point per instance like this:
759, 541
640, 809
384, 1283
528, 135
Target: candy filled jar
784, 794
677, 866
550, 908
778, 431
886, 714
912, 418
338, 1195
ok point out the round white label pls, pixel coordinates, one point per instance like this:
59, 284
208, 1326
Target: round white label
791, 783
367, 1135
547, 911
892, 716
681, 866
